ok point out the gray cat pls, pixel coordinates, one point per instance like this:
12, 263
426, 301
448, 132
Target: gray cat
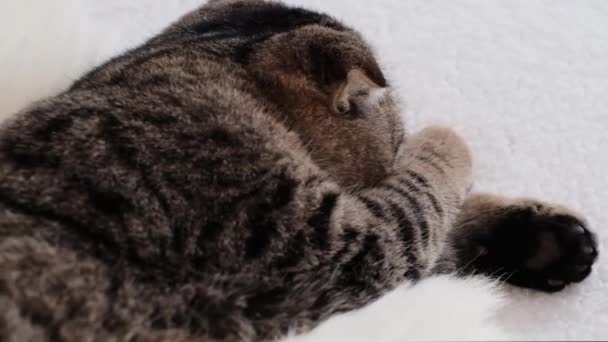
241, 174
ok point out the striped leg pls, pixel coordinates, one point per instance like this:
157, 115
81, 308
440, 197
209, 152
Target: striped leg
360, 245
423, 198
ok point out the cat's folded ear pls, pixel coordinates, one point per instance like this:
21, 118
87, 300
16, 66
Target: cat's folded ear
344, 73
356, 84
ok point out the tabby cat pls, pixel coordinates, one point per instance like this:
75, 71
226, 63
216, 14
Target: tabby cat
242, 174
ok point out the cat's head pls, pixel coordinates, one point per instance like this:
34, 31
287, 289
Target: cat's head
323, 80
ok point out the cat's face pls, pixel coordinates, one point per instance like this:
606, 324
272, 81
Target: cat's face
323, 81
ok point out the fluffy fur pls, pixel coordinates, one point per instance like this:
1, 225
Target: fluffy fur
427, 149
98, 38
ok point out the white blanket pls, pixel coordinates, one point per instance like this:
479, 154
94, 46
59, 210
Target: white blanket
524, 81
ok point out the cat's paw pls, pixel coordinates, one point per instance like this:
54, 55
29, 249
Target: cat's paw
442, 152
538, 246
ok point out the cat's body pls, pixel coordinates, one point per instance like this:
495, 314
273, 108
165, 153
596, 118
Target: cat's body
243, 173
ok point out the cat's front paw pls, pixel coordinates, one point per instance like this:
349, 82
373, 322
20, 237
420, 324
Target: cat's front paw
440, 152
538, 246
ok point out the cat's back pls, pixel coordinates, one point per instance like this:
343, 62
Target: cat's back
153, 145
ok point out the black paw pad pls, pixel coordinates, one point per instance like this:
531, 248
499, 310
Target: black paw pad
541, 251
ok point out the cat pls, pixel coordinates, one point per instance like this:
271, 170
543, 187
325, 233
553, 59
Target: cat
244, 173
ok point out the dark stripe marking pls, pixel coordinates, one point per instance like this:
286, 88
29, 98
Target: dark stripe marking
373, 206
261, 230
209, 232
432, 199
123, 148
417, 208
405, 226
321, 219
104, 238
294, 252
52, 127
361, 267
431, 163
265, 304
420, 180
349, 238
438, 156
261, 223
270, 19
412, 272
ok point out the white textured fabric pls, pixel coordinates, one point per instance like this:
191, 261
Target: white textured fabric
524, 81
436, 309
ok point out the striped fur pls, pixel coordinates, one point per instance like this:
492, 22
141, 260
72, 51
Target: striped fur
241, 174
